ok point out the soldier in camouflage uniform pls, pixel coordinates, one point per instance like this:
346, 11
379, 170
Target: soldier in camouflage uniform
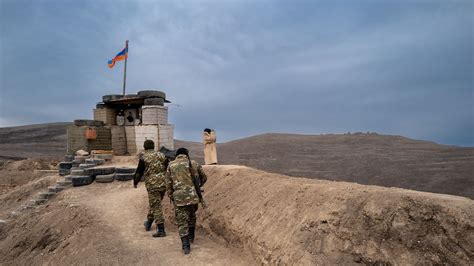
182, 192
152, 166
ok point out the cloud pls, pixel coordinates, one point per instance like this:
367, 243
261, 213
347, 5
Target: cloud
248, 67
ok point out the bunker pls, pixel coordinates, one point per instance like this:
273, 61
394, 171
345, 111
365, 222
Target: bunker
122, 123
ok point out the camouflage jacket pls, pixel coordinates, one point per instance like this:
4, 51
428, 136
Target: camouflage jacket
179, 183
152, 166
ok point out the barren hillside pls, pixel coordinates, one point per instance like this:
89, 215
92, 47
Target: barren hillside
371, 159
253, 217
33, 141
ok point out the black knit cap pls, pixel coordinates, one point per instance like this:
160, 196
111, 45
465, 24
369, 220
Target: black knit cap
208, 130
149, 144
182, 151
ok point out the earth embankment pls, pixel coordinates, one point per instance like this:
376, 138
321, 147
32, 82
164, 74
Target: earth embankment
285, 220
252, 217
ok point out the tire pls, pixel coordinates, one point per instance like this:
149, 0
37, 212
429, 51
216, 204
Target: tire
81, 181
105, 178
95, 161
152, 94
63, 172
124, 170
68, 158
77, 172
100, 106
99, 171
111, 97
124, 177
86, 165
90, 123
155, 101
65, 165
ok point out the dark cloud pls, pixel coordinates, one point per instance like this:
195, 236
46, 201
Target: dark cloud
248, 67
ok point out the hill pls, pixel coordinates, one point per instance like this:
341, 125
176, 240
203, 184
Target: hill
46, 141
372, 159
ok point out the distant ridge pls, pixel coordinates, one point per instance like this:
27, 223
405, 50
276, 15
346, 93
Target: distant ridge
371, 159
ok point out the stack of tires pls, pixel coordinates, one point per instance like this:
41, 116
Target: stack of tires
86, 176
64, 168
124, 174
153, 97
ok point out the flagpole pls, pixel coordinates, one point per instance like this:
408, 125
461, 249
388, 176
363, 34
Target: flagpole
125, 69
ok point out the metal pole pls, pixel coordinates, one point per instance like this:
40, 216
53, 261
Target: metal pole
125, 69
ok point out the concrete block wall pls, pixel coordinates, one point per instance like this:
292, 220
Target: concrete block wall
145, 132
166, 136
103, 140
106, 115
119, 141
154, 115
76, 139
131, 143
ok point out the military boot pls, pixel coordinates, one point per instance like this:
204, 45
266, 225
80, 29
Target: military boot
160, 230
191, 234
148, 223
186, 246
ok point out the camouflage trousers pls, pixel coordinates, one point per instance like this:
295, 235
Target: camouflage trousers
185, 218
155, 211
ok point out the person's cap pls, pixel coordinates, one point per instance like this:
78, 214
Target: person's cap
182, 151
149, 144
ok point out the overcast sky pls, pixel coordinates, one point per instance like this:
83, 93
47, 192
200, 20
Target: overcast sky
248, 67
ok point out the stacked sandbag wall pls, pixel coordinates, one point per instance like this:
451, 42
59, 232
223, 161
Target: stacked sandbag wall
103, 140
76, 139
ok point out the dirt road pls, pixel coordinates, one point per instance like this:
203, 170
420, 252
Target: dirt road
123, 208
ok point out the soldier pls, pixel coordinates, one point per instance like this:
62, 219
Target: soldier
182, 190
152, 166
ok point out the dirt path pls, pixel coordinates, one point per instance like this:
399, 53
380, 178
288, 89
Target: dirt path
123, 209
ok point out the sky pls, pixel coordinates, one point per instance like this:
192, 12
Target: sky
248, 67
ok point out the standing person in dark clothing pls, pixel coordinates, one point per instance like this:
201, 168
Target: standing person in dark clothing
152, 165
183, 178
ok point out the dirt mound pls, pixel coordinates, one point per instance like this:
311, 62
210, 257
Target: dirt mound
29, 165
285, 220
253, 216
102, 224
60, 234
21, 178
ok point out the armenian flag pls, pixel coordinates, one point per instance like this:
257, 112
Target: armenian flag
119, 57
